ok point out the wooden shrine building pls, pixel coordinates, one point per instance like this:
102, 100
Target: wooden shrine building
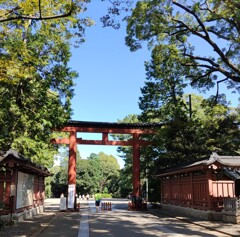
209, 188
74, 128
22, 188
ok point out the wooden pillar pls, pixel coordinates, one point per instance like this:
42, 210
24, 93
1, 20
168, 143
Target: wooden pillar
209, 190
72, 169
13, 194
136, 165
191, 189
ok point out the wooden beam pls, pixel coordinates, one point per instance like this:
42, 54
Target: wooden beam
60, 141
108, 130
100, 142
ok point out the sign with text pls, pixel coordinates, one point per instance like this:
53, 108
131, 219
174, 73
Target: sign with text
24, 190
71, 195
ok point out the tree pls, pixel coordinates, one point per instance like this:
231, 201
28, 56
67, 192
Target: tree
109, 174
97, 172
187, 27
177, 32
171, 29
85, 178
36, 82
40, 10
35, 10
210, 128
104, 169
164, 86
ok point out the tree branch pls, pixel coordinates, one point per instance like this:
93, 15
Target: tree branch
195, 16
207, 38
40, 17
203, 59
39, 8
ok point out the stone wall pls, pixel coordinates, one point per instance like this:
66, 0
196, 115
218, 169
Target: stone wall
230, 217
26, 214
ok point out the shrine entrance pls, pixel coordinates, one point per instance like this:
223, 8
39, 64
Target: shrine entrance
134, 129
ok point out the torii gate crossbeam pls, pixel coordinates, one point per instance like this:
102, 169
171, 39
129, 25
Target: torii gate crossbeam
135, 129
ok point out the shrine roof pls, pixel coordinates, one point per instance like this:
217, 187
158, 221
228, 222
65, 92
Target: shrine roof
75, 123
24, 164
223, 161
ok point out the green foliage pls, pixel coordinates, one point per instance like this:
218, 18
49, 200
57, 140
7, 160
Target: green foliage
106, 195
210, 128
187, 135
176, 32
181, 29
98, 172
36, 82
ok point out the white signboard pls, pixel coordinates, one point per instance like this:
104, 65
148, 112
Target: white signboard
63, 203
24, 190
71, 195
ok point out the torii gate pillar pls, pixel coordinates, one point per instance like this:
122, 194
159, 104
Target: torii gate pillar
72, 169
72, 158
136, 165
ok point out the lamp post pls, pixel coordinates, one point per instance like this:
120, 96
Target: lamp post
147, 173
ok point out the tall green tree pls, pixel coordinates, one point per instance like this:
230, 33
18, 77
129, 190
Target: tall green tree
164, 86
104, 171
85, 177
109, 173
188, 27
36, 81
175, 32
97, 172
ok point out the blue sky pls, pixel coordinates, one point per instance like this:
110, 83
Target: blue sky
110, 78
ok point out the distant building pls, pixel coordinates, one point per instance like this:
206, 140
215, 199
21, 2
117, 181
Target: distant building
209, 188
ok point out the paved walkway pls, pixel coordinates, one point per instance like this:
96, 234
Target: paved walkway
116, 223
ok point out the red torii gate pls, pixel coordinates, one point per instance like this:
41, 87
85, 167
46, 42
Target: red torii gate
135, 129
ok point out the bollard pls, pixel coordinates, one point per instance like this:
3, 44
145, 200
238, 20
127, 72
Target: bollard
103, 206
106, 206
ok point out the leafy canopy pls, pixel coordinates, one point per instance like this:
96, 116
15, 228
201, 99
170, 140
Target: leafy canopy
97, 172
184, 29
36, 81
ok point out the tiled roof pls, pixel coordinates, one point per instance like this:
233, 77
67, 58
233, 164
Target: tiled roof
231, 173
228, 161
12, 154
74, 123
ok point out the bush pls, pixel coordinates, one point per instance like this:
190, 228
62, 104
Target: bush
106, 195
5, 222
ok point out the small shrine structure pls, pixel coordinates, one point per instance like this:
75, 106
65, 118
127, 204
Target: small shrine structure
22, 188
207, 188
